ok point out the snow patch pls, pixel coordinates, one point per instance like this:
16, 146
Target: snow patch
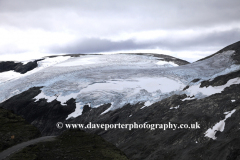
175, 107
188, 98
43, 96
9, 75
143, 107
207, 91
85, 60
77, 112
218, 126
97, 106
167, 64
146, 104
107, 110
64, 98
60, 98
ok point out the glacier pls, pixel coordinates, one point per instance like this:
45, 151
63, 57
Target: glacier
118, 79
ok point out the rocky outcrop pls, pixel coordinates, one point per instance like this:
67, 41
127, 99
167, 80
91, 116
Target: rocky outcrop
41, 114
18, 66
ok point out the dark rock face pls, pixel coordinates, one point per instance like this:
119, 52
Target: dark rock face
86, 108
146, 143
18, 67
185, 88
41, 114
196, 80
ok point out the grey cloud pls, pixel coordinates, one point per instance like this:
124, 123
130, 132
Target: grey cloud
95, 45
211, 41
108, 18
119, 15
203, 42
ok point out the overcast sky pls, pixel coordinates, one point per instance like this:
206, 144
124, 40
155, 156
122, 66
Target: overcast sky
187, 29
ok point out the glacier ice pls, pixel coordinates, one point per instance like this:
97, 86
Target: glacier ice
118, 79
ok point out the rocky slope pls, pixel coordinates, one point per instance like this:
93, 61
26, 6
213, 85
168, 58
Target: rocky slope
41, 114
140, 89
14, 129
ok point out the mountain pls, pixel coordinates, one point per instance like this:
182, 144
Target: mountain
193, 108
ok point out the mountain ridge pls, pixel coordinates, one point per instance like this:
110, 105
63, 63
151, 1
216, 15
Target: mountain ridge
235, 46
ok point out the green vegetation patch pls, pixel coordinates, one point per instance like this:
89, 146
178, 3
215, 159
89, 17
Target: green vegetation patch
72, 144
14, 129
